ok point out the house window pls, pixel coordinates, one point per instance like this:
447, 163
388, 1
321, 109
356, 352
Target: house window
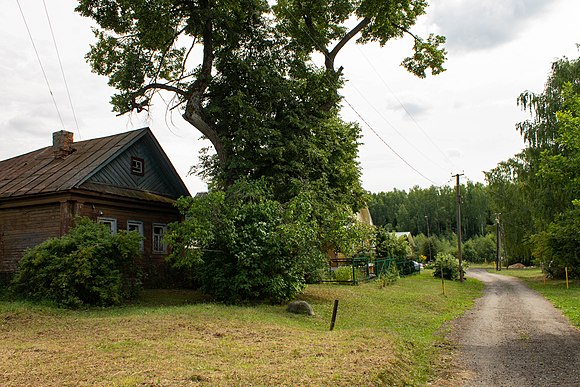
158, 233
137, 226
137, 166
111, 224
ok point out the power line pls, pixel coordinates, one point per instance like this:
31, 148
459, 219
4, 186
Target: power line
61, 68
40, 62
388, 146
423, 154
405, 108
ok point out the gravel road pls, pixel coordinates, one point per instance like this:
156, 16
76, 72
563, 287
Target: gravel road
515, 337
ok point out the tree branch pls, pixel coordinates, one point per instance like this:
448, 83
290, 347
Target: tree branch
331, 56
407, 31
313, 32
169, 44
202, 81
162, 86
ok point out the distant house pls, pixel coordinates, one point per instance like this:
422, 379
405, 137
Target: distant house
363, 216
407, 235
124, 181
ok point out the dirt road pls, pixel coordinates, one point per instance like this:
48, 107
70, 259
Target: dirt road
515, 337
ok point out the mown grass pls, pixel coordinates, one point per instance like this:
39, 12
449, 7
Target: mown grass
568, 300
383, 336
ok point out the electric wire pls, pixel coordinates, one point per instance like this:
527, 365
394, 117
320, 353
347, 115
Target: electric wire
61, 69
40, 62
404, 107
419, 152
388, 146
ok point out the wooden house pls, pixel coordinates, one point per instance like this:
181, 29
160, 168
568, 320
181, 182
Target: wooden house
124, 181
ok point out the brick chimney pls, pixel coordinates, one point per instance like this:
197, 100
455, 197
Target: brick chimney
62, 144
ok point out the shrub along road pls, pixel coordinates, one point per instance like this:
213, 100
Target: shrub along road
515, 337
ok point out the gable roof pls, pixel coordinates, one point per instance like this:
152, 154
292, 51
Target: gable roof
406, 234
40, 172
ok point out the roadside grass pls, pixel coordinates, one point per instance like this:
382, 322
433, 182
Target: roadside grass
383, 336
567, 300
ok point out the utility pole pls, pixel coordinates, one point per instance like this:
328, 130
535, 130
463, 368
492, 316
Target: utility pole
459, 225
498, 242
428, 237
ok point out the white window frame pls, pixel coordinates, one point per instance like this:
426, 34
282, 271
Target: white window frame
110, 222
139, 228
158, 246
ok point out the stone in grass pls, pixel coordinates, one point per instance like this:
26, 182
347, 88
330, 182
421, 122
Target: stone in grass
300, 307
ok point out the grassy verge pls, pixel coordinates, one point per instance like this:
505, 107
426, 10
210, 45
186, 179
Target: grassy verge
384, 336
568, 300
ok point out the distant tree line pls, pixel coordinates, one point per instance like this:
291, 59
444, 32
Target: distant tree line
430, 215
432, 211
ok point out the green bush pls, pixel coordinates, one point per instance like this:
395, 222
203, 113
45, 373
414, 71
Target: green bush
449, 264
558, 247
88, 266
343, 273
243, 245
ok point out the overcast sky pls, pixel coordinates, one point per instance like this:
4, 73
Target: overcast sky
461, 121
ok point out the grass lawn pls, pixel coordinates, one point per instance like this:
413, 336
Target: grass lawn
568, 300
383, 336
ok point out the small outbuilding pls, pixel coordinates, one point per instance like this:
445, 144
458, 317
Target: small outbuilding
124, 181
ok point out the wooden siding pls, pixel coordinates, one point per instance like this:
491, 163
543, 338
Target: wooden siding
24, 228
156, 173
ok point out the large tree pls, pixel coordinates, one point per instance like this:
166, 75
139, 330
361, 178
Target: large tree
558, 246
242, 73
237, 65
535, 190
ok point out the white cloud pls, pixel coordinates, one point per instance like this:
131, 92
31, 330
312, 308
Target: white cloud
476, 24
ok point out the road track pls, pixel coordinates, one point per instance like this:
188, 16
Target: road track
514, 337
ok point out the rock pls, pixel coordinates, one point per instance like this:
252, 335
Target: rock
300, 307
517, 266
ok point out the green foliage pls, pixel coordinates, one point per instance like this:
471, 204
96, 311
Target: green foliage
342, 274
246, 246
448, 264
318, 24
431, 211
558, 246
535, 190
510, 196
424, 247
480, 249
270, 113
388, 245
88, 266
254, 91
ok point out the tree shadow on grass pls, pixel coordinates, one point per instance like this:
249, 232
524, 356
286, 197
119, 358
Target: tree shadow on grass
170, 297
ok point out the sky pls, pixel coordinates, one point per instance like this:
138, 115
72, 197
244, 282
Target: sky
415, 132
